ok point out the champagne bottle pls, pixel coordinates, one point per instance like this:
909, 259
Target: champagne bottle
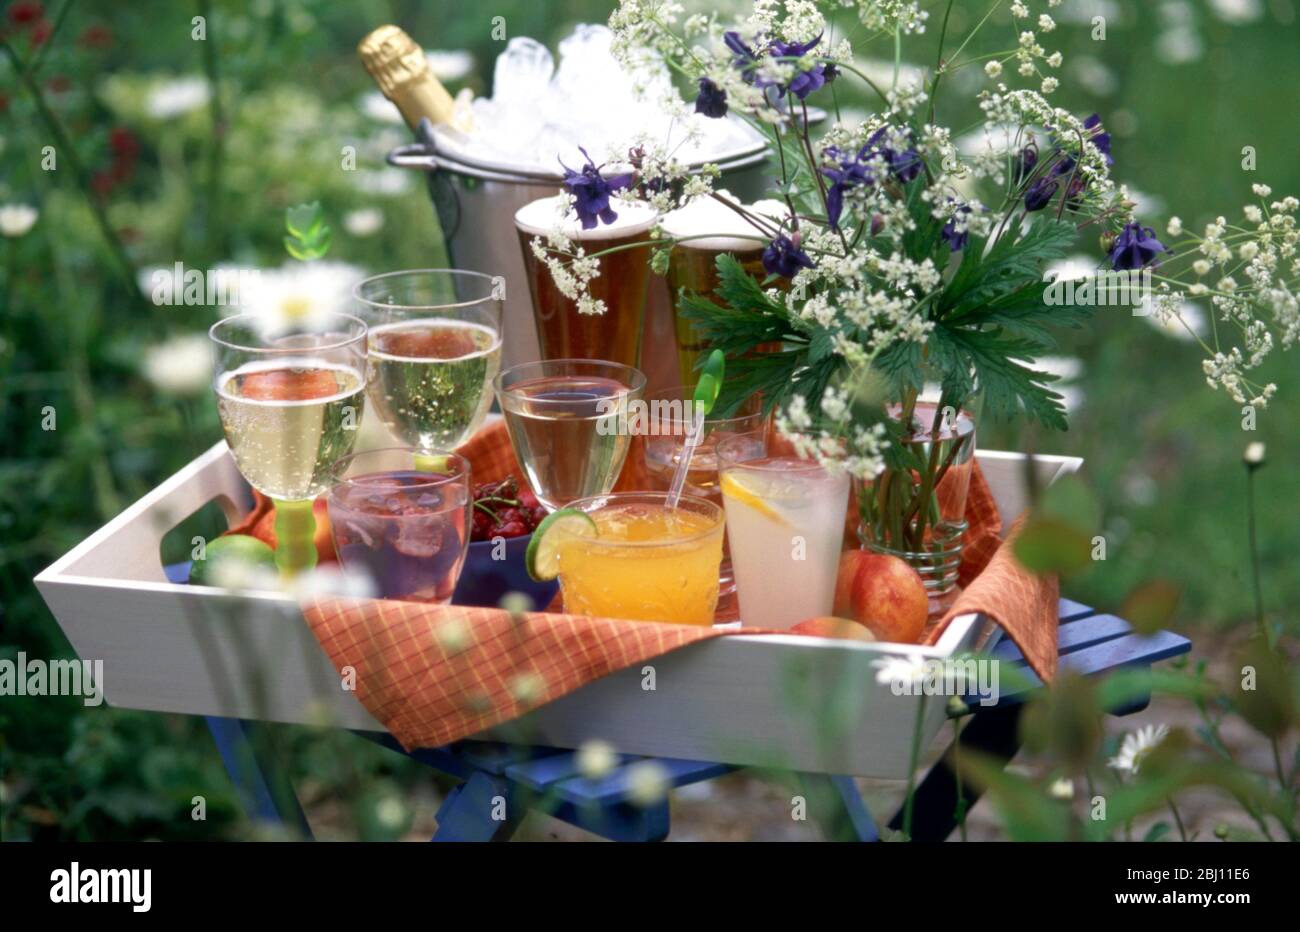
398, 65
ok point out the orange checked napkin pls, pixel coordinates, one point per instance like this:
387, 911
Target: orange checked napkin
435, 674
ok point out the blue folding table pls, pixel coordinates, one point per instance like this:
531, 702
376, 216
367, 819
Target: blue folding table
548, 780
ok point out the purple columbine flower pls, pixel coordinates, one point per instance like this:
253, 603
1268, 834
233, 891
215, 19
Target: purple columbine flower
1023, 164
852, 171
745, 59
956, 239
1136, 247
712, 100
794, 49
1099, 139
804, 82
1040, 194
782, 257
904, 164
811, 79
592, 191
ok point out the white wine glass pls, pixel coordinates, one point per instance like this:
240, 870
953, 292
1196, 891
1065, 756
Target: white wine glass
434, 348
290, 400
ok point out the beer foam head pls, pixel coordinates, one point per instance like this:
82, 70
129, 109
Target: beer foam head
543, 215
722, 228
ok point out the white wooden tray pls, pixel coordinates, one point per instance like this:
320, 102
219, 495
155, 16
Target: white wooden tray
744, 699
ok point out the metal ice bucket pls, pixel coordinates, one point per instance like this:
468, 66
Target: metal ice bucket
476, 207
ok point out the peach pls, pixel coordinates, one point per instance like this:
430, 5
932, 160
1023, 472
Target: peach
826, 626
883, 593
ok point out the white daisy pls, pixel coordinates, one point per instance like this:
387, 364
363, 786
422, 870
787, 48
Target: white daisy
17, 219
1061, 789
1136, 746
180, 365
596, 759
300, 294
647, 783
177, 98
450, 65
379, 108
364, 222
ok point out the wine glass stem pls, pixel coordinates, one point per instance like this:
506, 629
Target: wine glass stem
295, 535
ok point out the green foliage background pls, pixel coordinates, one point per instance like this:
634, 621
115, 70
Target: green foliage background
1163, 451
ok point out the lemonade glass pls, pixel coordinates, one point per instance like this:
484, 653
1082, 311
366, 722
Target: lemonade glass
785, 520
647, 562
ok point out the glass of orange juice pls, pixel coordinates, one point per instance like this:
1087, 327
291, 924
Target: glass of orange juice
645, 561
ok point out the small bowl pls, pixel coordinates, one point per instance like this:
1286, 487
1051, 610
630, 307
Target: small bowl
484, 581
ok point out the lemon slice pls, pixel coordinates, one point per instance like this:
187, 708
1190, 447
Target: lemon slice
542, 558
734, 488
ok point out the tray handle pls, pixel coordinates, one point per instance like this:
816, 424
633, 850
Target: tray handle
128, 547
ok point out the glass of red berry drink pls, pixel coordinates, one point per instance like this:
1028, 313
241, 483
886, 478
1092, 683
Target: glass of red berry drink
401, 519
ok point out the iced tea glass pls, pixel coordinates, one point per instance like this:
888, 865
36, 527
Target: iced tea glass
400, 520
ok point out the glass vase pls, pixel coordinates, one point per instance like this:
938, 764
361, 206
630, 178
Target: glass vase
915, 509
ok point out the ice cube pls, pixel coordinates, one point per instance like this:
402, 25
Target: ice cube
358, 526
420, 535
522, 71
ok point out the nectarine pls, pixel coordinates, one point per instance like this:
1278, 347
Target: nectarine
825, 626
883, 593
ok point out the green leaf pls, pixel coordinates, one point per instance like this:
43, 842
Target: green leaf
1008, 385
309, 237
1070, 501
307, 251
1027, 813
1016, 260
1150, 606
1049, 545
710, 383
741, 290
303, 221
1265, 694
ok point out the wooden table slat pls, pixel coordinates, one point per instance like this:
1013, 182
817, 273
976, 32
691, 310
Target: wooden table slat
615, 786
541, 774
1073, 637
1073, 611
1128, 650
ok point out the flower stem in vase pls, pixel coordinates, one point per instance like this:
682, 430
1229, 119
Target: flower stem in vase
295, 535
915, 509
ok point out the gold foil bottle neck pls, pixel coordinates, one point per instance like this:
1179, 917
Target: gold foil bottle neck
398, 65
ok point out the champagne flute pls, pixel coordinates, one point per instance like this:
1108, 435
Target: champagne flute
290, 401
435, 346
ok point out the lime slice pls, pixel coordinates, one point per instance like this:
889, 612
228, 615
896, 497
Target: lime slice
735, 489
438, 463
542, 559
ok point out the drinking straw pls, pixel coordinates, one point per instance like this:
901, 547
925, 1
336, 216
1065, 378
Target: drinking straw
702, 401
295, 537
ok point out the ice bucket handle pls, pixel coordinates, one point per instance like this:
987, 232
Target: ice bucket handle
414, 155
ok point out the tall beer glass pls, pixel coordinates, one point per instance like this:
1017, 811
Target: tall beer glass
564, 333
712, 229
